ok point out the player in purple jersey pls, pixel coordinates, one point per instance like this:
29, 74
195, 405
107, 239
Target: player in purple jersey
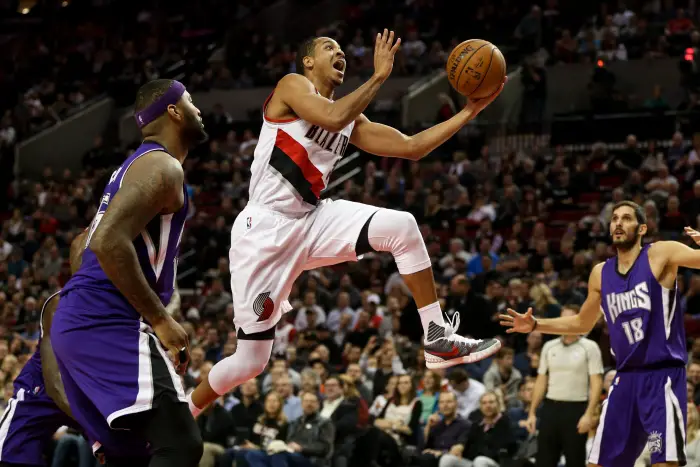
637, 293
39, 406
111, 333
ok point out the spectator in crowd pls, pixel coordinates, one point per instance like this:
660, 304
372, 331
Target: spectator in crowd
215, 424
489, 439
467, 390
381, 401
350, 420
291, 404
444, 432
398, 424
502, 376
519, 413
246, 411
279, 368
429, 395
309, 441
524, 360
271, 425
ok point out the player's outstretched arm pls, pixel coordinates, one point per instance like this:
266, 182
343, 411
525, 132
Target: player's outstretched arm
679, 255
383, 140
298, 94
582, 323
152, 186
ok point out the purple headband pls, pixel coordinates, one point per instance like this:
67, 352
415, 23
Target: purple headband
158, 108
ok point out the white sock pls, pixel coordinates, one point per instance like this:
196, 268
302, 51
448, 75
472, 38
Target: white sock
193, 408
429, 313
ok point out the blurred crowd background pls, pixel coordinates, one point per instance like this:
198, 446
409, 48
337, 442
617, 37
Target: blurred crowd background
514, 209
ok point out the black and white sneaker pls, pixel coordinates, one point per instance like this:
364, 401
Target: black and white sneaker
444, 348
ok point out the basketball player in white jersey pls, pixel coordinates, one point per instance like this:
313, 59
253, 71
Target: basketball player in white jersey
285, 229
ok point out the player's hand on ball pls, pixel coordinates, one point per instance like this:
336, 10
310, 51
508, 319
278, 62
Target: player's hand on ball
516, 322
694, 234
175, 340
384, 51
585, 424
477, 105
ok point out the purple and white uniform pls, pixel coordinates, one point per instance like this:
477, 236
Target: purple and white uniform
31, 418
111, 362
647, 401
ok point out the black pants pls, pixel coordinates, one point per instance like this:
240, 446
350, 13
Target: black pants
128, 462
558, 434
171, 431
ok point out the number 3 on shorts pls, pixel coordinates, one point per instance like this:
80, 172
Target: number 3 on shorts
634, 330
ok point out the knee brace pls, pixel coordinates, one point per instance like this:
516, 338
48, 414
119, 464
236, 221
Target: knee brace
249, 361
397, 232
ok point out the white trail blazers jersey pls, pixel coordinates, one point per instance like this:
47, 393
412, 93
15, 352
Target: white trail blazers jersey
293, 162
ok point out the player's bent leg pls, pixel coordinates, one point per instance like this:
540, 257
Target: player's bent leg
397, 232
172, 433
251, 357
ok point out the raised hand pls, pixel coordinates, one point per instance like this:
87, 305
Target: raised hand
384, 51
694, 234
477, 105
516, 322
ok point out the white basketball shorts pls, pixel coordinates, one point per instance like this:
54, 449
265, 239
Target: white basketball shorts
270, 250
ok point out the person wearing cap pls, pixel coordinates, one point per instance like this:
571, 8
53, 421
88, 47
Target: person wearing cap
370, 305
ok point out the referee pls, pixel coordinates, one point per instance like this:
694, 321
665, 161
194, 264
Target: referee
570, 380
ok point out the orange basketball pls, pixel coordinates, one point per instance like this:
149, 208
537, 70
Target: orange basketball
476, 68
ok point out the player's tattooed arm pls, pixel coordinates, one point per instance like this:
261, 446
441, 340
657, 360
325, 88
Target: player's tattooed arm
77, 247
152, 186
49, 367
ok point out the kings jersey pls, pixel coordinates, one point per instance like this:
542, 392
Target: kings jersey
646, 326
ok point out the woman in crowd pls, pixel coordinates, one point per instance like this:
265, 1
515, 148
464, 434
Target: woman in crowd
428, 396
271, 425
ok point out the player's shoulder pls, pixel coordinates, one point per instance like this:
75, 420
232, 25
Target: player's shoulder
295, 82
598, 268
162, 164
156, 173
596, 274
662, 247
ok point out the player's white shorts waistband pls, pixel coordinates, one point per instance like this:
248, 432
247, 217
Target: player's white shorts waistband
275, 212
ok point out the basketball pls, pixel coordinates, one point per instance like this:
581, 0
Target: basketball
476, 68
